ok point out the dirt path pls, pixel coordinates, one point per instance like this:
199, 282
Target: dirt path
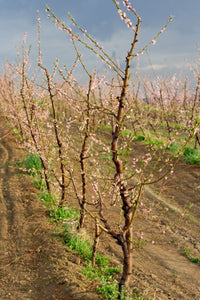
35, 265
161, 268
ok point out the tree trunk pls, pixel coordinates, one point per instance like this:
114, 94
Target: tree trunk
127, 248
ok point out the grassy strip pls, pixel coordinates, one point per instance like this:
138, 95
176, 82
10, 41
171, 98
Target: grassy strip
190, 154
66, 220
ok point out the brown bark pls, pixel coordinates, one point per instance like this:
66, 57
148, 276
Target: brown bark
82, 159
127, 205
58, 141
22, 92
127, 248
96, 241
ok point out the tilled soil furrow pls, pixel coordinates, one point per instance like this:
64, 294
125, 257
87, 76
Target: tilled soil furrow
3, 216
3, 206
12, 210
13, 245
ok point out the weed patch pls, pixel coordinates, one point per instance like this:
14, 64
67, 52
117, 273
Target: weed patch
191, 156
190, 256
32, 164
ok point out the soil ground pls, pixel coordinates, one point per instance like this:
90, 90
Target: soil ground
35, 265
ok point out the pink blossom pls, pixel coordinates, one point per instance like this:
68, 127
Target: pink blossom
80, 196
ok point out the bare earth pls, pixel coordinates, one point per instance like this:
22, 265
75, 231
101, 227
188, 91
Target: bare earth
35, 265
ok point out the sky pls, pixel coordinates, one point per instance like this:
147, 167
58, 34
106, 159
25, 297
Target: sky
173, 49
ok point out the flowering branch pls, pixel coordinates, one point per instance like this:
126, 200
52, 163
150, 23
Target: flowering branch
102, 54
153, 41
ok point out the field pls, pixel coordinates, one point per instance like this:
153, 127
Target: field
99, 180
36, 265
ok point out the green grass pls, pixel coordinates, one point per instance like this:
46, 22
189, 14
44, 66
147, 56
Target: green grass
191, 156
82, 245
108, 287
49, 200
102, 272
32, 164
176, 125
190, 256
63, 214
174, 148
102, 261
153, 140
106, 127
66, 219
16, 133
126, 132
139, 138
78, 242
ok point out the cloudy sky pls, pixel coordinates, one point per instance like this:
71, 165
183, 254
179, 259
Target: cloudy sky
178, 44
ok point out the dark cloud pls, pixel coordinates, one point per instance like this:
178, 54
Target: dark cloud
101, 19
